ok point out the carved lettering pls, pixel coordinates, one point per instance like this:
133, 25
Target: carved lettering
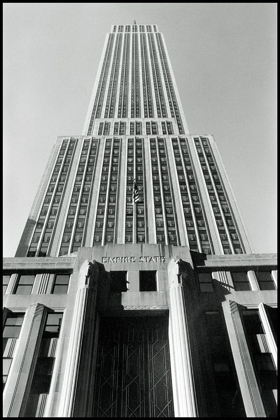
142, 259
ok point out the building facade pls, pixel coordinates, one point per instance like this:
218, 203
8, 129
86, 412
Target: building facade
134, 291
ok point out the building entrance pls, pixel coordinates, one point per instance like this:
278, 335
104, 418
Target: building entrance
133, 377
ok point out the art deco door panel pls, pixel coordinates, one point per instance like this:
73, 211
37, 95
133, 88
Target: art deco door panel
133, 377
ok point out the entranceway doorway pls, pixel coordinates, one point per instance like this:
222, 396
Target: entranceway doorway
133, 376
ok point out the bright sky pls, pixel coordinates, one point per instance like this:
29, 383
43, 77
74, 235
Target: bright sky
224, 59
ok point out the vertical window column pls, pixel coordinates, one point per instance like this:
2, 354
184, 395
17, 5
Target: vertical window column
11, 332
67, 238
262, 360
18, 385
268, 327
83, 208
40, 386
44, 228
232, 229
129, 190
146, 79
141, 211
110, 228
243, 362
173, 103
103, 192
99, 97
215, 202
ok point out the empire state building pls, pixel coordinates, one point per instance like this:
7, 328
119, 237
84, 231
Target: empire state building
134, 291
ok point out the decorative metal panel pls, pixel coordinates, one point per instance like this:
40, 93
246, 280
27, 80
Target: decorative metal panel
133, 377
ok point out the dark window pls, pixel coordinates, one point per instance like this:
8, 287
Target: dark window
240, 281
25, 284
44, 367
225, 381
262, 360
148, 281
11, 332
205, 282
61, 283
265, 280
119, 281
273, 318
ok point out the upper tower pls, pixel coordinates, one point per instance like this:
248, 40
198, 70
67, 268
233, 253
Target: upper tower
135, 129
135, 87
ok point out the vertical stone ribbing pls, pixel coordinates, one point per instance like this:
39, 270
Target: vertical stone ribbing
21, 374
245, 371
268, 332
181, 358
76, 398
253, 280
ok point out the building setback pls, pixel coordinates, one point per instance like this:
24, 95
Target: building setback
134, 291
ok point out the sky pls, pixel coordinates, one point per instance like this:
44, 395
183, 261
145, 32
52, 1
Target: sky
224, 59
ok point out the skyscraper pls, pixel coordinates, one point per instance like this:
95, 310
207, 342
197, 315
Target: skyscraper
136, 228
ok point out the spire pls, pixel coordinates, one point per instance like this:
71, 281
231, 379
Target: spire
134, 22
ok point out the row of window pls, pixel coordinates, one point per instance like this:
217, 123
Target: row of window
229, 399
25, 283
158, 87
135, 128
123, 95
240, 280
80, 198
172, 99
44, 227
97, 107
43, 371
147, 281
135, 28
163, 199
197, 229
108, 192
135, 87
228, 233
146, 80
112, 89
123, 66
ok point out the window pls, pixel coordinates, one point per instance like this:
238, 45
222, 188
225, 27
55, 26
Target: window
229, 398
119, 281
265, 280
25, 284
240, 281
6, 279
41, 382
148, 281
262, 360
205, 282
10, 335
61, 284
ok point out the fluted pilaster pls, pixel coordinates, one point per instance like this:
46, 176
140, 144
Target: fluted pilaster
21, 373
245, 371
180, 349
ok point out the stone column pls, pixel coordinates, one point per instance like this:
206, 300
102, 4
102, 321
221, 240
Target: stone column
77, 390
274, 276
245, 371
12, 284
22, 369
253, 280
268, 332
180, 350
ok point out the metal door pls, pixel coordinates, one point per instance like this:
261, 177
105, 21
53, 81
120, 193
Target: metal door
133, 377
